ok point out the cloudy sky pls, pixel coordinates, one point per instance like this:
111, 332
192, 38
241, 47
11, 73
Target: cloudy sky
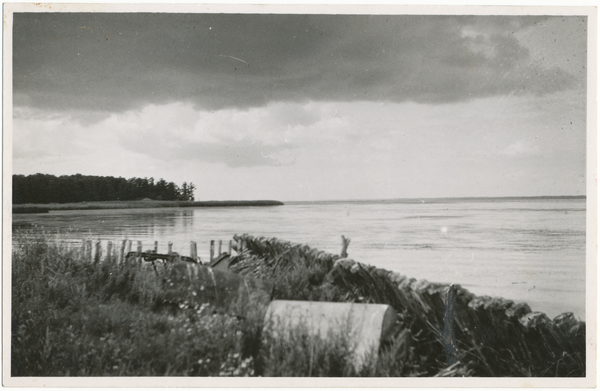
305, 107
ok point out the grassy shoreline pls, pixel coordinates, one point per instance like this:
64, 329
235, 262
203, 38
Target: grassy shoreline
45, 208
75, 318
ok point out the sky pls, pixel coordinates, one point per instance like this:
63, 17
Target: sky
305, 107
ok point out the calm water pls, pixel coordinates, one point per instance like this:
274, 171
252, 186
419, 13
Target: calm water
524, 250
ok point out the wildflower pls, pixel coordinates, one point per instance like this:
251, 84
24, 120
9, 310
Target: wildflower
194, 293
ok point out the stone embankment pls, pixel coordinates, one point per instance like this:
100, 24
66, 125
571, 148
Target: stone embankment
493, 336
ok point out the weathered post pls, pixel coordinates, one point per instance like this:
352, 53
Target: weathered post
193, 251
170, 247
82, 255
128, 249
212, 250
109, 248
220, 246
230, 246
88, 251
156, 246
98, 252
345, 244
122, 254
138, 255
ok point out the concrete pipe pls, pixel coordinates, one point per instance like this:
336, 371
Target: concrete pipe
365, 325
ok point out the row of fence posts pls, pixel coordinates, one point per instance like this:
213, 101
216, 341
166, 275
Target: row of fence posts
88, 253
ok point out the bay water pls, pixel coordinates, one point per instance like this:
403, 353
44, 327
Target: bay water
522, 249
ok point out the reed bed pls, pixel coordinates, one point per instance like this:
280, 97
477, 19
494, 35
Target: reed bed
44, 208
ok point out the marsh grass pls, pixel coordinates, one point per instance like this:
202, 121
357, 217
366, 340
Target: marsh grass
45, 208
73, 317
76, 318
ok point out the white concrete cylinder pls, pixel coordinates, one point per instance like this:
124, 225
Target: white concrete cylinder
365, 325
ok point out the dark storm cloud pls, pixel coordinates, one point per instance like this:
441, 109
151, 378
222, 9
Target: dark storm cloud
116, 62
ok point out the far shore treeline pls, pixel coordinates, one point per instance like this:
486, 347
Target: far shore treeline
46, 189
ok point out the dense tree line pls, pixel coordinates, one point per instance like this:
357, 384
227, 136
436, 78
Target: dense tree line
44, 189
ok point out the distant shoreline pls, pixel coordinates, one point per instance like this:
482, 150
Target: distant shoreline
439, 200
45, 208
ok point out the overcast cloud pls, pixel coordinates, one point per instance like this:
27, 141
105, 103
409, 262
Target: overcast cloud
293, 105
116, 62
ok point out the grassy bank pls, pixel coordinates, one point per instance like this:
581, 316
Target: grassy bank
81, 319
44, 208
75, 318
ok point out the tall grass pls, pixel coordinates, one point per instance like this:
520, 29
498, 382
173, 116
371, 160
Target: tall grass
75, 318
71, 317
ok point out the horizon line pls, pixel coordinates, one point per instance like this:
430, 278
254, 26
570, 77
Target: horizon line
439, 198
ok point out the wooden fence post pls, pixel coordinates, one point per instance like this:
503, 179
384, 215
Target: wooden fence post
88, 251
109, 248
194, 251
345, 244
170, 247
82, 254
230, 245
128, 248
156, 246
212, 250
220, 246
98, 252
122, 254
138, 256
